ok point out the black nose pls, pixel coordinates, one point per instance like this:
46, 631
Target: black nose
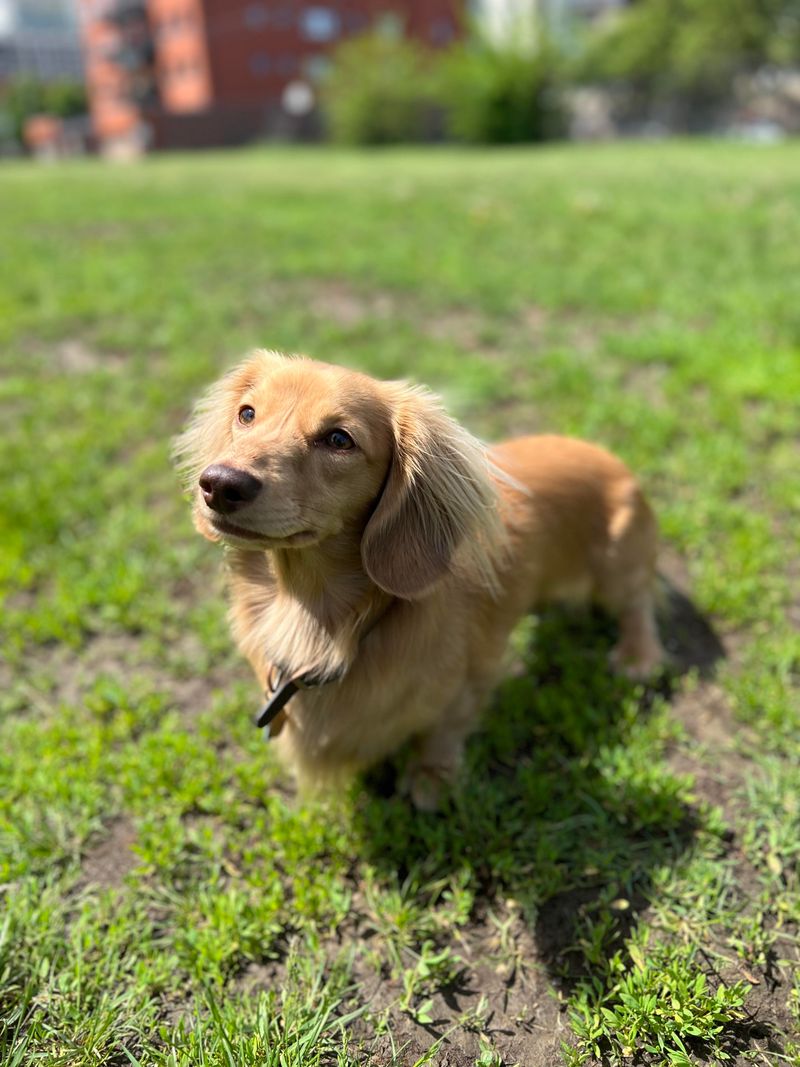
225, 489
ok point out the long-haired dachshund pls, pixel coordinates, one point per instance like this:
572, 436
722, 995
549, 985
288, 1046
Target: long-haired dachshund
380, 556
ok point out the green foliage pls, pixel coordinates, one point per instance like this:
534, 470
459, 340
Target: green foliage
380, 91
26, 96
695, 46
658, 1002
432, 970
500, 96
385, 89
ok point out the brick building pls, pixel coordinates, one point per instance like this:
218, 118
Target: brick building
182, 73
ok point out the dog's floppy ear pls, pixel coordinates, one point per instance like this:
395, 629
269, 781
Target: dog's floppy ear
438, 500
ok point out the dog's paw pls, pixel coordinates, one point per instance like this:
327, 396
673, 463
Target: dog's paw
639, 661
426, 786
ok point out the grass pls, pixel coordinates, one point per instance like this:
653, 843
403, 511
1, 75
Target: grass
617, 877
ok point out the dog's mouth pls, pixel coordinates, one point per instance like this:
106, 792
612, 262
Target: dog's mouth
231, 530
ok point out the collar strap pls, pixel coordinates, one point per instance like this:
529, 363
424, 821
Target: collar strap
281, 689
275, 703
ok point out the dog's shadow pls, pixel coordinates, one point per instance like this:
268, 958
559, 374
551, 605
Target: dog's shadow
561, 805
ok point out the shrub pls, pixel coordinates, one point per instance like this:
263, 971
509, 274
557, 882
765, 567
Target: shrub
500, 96
26, 96
381, 90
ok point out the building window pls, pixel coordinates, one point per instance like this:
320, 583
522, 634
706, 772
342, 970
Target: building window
259, 64
356, 20
319, 23
282, 17
286, 64
174, 23
442, 31
255, 16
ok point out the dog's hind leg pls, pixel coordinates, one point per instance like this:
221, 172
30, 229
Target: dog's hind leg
626, 586
638, 653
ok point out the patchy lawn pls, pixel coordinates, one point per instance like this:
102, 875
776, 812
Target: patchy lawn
617, 879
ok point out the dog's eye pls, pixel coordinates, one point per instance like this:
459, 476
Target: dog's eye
338, 440
246, 414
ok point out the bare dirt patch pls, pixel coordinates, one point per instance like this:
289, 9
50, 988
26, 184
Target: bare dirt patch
106, 863
345, 305
518, 1017
649, 381
339, 301
460, 326
52, 676
76, 356
705, 712
511, 1008
115, 655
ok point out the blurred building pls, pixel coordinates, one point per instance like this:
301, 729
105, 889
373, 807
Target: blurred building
184, 73
40, 39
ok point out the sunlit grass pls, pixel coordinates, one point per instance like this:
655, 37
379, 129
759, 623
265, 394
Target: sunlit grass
643, 847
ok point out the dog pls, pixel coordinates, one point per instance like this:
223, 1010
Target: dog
379, 556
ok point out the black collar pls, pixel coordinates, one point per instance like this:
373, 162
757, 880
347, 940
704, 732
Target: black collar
282, 684
281, 688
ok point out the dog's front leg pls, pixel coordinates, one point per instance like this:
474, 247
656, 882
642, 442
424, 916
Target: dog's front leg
437, 755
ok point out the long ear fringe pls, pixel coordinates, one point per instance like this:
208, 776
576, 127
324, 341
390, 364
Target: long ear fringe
452, 468
439, 512
486, 552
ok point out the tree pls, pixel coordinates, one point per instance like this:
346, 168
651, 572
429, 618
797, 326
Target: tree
694, 46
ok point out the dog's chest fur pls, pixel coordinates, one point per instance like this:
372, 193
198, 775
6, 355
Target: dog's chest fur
396, 671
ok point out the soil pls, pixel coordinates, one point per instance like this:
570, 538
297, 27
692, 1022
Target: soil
108, 861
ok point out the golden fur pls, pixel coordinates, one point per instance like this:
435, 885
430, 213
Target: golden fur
403, 563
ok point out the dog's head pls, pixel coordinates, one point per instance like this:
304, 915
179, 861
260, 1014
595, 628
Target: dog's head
285, 453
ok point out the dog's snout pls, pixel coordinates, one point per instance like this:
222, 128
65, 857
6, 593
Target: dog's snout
225, 489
